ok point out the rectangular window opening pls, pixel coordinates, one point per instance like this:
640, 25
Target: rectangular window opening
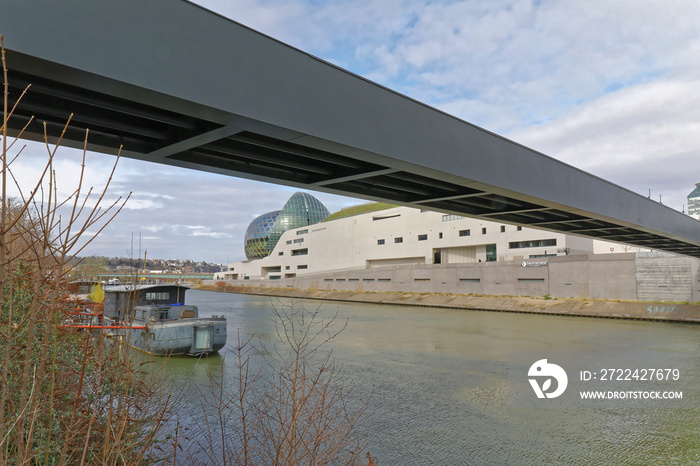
538, 243
384, 217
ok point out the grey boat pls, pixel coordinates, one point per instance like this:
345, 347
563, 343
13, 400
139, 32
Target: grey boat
153, 319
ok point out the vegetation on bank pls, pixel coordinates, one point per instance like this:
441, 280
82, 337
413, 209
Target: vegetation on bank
91, 266
73, 397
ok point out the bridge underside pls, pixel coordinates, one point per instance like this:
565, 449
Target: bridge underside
312, 125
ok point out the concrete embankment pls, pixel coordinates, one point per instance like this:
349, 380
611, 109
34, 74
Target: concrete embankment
668, 312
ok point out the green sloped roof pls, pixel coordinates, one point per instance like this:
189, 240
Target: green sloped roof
359, 210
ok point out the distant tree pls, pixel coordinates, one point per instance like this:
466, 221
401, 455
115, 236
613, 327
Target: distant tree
91, 266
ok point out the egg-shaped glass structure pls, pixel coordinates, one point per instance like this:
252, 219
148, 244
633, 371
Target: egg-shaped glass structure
258, 234
302, 209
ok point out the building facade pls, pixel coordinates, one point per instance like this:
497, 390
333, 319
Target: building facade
694, 202
380, 235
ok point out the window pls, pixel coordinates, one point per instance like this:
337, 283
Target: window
300, 252
380, 242
286, 267
162, 296
491, 254
422, 237
303, 232
483, 231
384, 217
518, 228
302, 267
398, 239
275, 277
440, 235
449, 218
422, 211
289, 241
538, 243
503, 228
299, 240
281, 253
465, 232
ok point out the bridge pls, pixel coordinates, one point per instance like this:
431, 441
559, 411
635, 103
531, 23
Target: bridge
176, 84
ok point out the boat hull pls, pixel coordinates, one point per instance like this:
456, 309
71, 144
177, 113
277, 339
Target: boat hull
195, 336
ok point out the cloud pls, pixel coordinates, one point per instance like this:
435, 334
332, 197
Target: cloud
641, 137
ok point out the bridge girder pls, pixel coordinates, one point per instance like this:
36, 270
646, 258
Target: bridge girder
176, 84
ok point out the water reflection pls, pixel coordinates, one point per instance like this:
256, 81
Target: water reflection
436, 381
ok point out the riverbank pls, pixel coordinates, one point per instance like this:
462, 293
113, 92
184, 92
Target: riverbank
667, 312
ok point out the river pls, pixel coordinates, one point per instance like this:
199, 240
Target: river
439, 384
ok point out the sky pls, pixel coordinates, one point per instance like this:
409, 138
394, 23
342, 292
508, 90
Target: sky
612, 88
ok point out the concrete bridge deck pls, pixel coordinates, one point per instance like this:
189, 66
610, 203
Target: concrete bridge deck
177, 84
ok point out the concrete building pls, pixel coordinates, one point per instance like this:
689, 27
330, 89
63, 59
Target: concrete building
694, 202
379, 235
385, 248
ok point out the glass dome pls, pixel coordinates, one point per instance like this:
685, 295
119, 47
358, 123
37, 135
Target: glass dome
258, 234
264, 232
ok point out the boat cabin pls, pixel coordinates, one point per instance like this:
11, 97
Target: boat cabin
121, 300
165, 312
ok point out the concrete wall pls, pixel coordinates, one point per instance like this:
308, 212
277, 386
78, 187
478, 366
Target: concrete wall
663, 277
629, 276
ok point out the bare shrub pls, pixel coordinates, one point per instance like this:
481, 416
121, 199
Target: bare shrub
287, 402
65, 396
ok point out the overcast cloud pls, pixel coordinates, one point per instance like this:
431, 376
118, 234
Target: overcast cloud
609, 87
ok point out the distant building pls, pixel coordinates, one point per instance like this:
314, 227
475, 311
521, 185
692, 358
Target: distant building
264, 232
382, 235
694, 202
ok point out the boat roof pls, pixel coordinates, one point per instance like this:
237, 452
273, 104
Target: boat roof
129, 287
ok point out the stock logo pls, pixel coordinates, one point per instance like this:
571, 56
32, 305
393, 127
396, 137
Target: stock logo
546, 372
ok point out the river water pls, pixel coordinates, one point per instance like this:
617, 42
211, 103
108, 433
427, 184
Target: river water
439, 384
